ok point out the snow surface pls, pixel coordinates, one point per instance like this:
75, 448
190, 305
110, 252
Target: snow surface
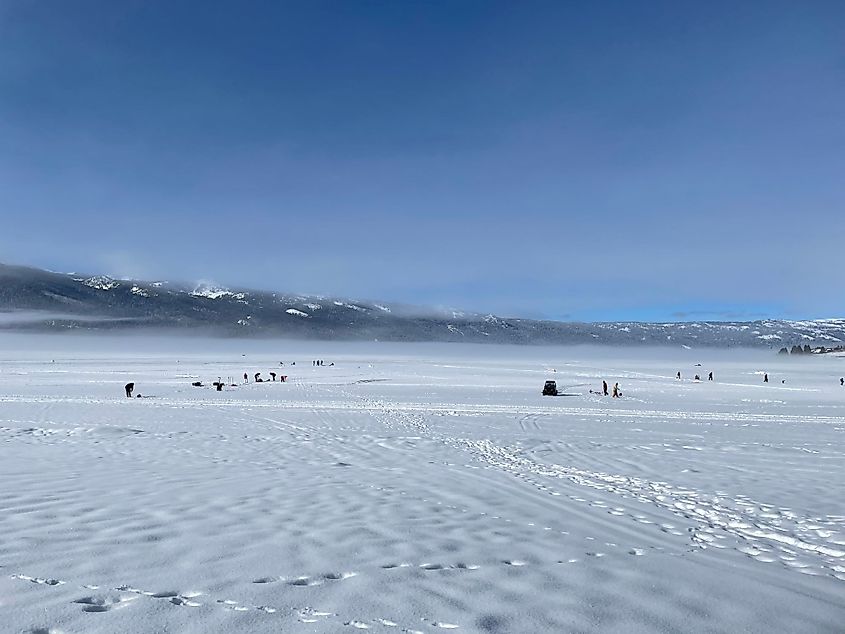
215, 292
101, 282
417, 488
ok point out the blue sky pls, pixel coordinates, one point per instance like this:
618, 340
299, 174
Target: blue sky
609, 160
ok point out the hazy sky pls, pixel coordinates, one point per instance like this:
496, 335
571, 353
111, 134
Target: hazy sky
576, 160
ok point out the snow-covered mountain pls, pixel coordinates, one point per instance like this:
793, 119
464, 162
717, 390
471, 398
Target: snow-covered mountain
37, 300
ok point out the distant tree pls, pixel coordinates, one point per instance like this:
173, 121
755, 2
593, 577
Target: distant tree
807, 349
783, 351
796, 350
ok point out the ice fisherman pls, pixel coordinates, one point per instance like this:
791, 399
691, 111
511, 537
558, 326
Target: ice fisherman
679, 376
246, 378
604, 387
765, 377
842, 381
616, 390
710, 377
129, 387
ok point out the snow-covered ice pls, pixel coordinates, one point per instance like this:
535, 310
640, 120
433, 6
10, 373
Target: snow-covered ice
417, 488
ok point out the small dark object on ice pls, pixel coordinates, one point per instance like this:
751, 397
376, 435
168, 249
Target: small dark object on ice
197, 384
550, 389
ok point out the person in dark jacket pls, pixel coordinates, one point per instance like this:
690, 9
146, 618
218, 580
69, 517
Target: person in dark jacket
129, 387
604, 387
710, 377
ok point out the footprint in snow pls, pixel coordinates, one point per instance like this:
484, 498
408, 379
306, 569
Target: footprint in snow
39, 580
432, 566
232, 605
316, 581
103, 603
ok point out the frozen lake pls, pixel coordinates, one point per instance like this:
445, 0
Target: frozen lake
417, 488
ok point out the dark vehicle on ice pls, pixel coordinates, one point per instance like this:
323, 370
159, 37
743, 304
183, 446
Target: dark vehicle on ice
550, 389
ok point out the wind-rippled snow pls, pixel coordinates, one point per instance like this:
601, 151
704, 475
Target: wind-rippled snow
417, 488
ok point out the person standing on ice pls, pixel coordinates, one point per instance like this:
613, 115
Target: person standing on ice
246, 378
129, 387
616, 390
679, 376
710, 377
604, 387
765, 377
841, 381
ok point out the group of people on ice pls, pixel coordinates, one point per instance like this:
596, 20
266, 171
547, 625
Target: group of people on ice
604, 391
257, 377
697, 377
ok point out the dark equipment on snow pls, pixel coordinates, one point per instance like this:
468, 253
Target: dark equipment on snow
550, 389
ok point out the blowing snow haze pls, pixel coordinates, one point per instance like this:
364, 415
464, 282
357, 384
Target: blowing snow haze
619, 161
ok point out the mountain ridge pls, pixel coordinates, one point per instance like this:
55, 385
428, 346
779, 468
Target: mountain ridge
37, 300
